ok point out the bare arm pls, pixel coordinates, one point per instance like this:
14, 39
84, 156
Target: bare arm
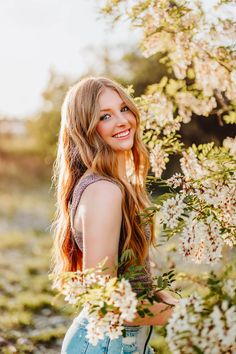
100, 216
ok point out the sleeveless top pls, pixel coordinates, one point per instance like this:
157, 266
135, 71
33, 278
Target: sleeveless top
144, 279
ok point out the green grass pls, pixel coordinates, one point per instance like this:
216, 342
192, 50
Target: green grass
29, 321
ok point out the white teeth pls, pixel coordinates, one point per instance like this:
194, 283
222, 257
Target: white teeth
121, 134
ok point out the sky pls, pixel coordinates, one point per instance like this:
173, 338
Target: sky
39, 35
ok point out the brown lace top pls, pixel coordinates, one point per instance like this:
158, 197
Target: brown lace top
145, 277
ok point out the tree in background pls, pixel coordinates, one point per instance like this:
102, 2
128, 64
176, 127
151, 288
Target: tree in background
196, 44
44, 128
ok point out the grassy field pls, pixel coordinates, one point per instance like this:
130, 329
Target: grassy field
29, 322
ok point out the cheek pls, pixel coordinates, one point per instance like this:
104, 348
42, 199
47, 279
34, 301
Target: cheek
103, 130
100, 129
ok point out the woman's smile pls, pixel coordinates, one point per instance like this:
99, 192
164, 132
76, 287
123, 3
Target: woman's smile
122, 135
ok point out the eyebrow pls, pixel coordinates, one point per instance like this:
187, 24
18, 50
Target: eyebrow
110, 109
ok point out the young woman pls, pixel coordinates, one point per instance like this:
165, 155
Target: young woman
101, 170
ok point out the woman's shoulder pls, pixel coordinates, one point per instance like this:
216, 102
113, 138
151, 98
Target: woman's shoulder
89, 178
102, 191
93, 185
100, 196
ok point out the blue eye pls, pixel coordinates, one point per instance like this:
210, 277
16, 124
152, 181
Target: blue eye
105, 117
125, 109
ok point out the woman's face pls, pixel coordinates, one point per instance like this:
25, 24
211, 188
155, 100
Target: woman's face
117, 123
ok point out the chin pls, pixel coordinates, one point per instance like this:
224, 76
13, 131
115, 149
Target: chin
126, 147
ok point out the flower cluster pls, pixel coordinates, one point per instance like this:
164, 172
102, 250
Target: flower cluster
193, 39
188, 328
191, 166
200, 240
108, 300
205, 324
196, 43
158, 159
120, 304
156, 111
230, 144
171, 211
188, 103
211, 75
203, 210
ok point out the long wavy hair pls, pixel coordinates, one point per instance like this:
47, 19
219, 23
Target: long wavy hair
80, 147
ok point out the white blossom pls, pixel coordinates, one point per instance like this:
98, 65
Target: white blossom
230, 143
157, 42
190, 165
229, 287
183, 324
180, 56
97, 292
125, 299
171, 210
95, 330
188, 327
159, 109
213, 192
231, 88
72, 289
157, 159
201, 239
210, 75
157, 112
175, 181
178, 180
188, 103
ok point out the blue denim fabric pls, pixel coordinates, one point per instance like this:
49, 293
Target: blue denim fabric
135, 341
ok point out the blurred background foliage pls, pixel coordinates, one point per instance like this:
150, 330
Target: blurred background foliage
134, 70
29, 322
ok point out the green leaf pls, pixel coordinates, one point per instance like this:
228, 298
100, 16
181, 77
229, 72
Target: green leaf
197, 350
160, 282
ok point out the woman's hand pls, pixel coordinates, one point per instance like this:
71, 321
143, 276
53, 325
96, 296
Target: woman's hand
162, 311
167, 298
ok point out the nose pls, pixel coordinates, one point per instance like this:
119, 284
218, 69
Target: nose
121, 119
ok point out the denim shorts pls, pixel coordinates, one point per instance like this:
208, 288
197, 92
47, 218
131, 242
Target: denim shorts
135, 341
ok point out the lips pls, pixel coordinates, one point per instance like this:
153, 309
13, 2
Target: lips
121, 134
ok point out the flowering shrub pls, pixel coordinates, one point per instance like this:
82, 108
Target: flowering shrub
196, 45
206, 324
203, 209
196, 41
